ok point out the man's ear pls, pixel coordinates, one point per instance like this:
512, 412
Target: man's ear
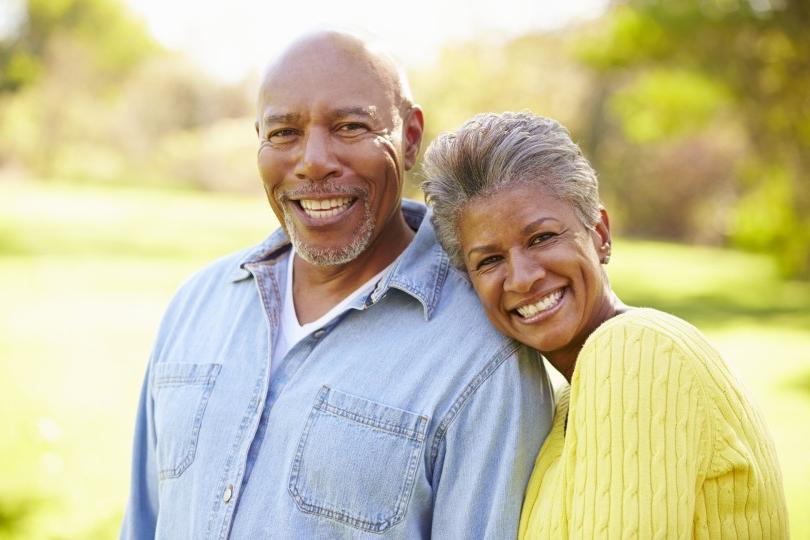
413, 128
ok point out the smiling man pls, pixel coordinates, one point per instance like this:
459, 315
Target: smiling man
340, 380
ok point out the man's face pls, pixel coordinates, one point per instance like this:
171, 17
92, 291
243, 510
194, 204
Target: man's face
331, 154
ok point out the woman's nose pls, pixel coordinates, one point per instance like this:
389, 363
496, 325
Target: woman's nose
523, 273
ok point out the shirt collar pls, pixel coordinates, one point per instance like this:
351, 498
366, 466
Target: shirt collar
272, 248
419, 271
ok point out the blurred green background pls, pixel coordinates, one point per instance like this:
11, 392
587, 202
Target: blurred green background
124, 167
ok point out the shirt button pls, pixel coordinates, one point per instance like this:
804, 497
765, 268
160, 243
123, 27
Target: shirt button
226, 497
240, 274
319, 333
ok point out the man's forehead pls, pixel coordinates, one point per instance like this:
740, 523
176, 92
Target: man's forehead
325, 73
326, 92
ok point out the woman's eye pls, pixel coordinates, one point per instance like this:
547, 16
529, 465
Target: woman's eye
540, 238
486, 262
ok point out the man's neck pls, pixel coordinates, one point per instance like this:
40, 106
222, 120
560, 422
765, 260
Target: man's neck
319, 288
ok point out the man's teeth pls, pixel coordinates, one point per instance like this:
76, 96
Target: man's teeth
545, 303
324, 208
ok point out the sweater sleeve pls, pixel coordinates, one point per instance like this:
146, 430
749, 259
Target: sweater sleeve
640, 438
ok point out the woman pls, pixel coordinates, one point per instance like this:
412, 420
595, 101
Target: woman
654, 437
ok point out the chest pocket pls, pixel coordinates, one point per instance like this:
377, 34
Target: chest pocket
356, 461
180, 392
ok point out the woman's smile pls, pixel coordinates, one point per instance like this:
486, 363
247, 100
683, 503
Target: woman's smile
534, 311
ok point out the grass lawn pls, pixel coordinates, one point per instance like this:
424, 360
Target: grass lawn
85, 273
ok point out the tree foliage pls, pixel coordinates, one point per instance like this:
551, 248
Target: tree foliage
710, 70
113, 39
87, 94
695, 113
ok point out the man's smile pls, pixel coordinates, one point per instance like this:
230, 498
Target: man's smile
326, 208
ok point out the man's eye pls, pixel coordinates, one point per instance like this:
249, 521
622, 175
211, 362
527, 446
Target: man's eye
352, 128
281, 135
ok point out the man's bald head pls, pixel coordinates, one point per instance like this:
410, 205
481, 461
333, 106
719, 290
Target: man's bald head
333, 48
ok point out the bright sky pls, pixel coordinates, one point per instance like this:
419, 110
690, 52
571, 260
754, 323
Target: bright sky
234, 37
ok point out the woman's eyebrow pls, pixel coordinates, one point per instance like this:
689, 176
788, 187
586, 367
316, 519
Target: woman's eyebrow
536, 223
485, 248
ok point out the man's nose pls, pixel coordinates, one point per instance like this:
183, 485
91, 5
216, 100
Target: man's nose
523, 273
317, 160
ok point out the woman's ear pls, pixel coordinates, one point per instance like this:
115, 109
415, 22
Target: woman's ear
601, 236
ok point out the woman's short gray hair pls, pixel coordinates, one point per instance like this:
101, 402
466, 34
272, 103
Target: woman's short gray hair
492, 151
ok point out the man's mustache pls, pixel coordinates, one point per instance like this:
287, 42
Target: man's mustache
321, 188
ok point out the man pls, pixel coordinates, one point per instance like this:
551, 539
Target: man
339, 380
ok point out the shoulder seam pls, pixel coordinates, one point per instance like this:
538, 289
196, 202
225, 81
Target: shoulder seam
481, 377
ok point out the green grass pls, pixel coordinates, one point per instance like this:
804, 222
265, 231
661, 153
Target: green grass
85, 273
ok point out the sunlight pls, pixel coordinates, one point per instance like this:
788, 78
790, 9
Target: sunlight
234, 39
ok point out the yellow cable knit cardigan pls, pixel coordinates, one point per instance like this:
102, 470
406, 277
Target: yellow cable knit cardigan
660, 441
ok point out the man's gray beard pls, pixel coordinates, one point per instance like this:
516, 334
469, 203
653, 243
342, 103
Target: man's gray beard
361, 238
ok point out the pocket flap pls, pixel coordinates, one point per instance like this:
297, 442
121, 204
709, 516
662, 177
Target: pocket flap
373, 414
171, 374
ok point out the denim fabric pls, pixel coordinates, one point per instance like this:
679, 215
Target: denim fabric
406, 417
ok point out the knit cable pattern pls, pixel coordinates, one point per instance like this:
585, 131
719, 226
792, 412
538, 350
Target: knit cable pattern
661, 442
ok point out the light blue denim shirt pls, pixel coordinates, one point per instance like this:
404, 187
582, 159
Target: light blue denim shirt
406, 417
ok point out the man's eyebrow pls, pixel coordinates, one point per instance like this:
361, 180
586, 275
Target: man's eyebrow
288, 118
369, 112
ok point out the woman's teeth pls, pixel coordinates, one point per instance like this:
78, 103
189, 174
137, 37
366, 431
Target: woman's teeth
324, 208
545, 303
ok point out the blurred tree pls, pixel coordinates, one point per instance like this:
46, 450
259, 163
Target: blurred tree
60, 68
185, 128
715, 68
114, 40
87, 94
533, 72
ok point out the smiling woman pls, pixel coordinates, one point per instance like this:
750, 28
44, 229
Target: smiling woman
654, 437
537, 270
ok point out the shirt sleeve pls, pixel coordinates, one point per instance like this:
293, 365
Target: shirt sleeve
140, 518
639, 438
485, 454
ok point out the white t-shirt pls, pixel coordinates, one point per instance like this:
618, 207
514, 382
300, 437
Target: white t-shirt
290, 331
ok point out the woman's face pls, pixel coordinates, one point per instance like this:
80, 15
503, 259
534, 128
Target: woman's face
536, 267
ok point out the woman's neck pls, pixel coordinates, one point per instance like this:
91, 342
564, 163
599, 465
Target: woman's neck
564, 360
